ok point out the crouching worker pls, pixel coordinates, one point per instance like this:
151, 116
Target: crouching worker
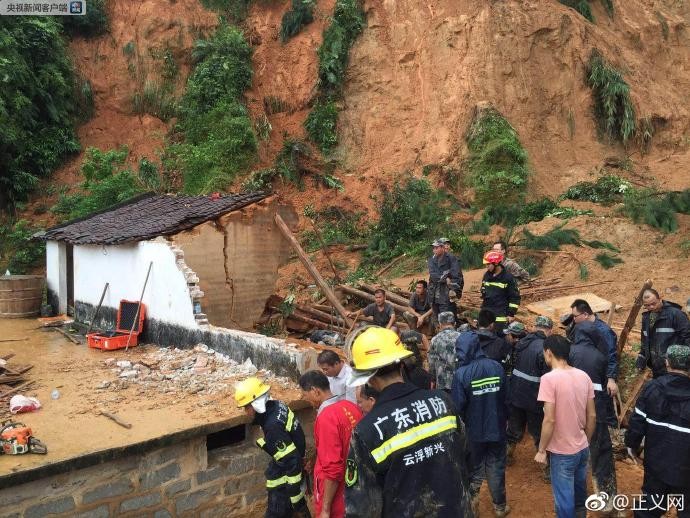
284, 441
407, 456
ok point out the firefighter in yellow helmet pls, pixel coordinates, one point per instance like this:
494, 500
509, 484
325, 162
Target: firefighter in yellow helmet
407, 455
284, 441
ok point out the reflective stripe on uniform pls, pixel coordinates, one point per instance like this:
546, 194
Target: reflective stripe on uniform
297, 498
484, 381
497, 284
413, 436
597, 386
261, 442
501, 319
290, 420
665, 425
511, 305
665, 330
285, 479
520, 374
287, 451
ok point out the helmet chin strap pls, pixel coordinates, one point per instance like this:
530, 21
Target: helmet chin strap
259, 404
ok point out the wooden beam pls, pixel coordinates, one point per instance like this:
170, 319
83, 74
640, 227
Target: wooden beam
390, 296
321, 283
368, 296
390, 265
632, 316
320, 315
325, 250
67, 335
612, 311
634, 394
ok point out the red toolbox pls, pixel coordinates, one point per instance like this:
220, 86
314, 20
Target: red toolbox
125, 318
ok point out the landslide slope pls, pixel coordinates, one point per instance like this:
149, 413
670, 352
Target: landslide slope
420, 68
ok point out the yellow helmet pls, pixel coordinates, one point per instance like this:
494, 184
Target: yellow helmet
248, 390
377, 347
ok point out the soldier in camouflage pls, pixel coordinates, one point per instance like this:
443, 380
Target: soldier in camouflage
510, 265
442, 358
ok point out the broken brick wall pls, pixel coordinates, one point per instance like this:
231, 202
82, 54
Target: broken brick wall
180, 481
236, 259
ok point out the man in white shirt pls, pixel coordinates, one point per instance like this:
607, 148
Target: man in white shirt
337, 372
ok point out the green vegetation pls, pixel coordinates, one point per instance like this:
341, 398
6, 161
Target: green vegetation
497, 161
93, 23
216, 141
106, 182
607, 189
321, 125
601, 245
233, 10
18, 252
37, 104
607, 260
613, 107
551, 240
155, 100
337, 226
581, 6
650, 207
83, 98
347, 23
300, 14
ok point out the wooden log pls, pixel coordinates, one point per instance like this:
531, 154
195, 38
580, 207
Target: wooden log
13, 339
390, 296
16, 388
632, 316
612, 311
315, 323
117, 419
322, 307
323, 286
320, 315
390, 265
368, 296
336, 277
634, 394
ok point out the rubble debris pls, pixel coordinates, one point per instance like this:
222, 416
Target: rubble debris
184, 371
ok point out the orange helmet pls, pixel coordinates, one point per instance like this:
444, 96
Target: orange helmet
493, 257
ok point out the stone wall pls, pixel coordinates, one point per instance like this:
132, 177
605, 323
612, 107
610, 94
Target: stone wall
182, 481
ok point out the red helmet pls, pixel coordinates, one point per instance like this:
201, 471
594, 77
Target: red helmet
493, 257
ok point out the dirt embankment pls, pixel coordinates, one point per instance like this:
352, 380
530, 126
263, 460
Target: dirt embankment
420, 68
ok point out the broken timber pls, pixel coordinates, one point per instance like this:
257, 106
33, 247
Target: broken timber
368, 296
323, 286
632, 316
634, 394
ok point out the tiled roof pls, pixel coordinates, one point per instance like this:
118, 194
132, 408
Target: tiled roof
147, 216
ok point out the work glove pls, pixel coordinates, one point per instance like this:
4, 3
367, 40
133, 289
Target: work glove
641, 362
444, 276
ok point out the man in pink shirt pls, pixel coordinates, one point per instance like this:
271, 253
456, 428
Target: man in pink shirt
569, 421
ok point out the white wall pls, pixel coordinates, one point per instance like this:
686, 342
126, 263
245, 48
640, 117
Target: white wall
124, 267
56, 272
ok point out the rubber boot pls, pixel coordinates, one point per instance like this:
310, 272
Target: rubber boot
475, 505
501, 510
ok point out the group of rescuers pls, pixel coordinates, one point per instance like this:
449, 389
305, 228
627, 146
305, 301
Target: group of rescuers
393, 445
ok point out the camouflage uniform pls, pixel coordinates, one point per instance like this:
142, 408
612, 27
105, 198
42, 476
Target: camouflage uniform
442, 358
514, 269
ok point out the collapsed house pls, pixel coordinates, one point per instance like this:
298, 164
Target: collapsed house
213, 263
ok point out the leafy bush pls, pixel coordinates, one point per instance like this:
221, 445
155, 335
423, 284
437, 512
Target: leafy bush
337, 226
613, 108
606, 189
235, 10
301, 14
155, 100
93, 23
148, 175
219, 141
650, 207
18, 252
321, 125
106, 182
552, 240
607, 260
680, 201
347, 24
37, 103
497, 161
581, 6
83, 97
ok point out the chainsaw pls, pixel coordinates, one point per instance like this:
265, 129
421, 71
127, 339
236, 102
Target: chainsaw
16, 439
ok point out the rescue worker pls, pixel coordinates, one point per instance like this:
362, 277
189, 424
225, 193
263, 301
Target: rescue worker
407, 454
284, 441
589, 353
500, 292
413, 367
456, 288
495, 347
581, 310
443, 277
662, 419
418, 314
515, 332
528, 367
442, 357
479, 393
663, 324
336, 417
510, 265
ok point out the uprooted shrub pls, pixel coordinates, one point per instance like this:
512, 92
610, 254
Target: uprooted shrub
613, 107
300, 14
581, 6
650, 207
497, 161
607, 189
551, 240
